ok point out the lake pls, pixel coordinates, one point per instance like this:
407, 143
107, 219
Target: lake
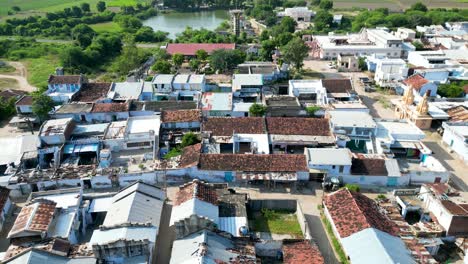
176, 22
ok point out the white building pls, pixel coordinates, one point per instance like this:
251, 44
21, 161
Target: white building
124, 91
247, 86
308, 90
300, 13
390, 71
329, 161
405, 34
61, 88
367, 42
456, 137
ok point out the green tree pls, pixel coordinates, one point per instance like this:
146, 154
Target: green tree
73, 59
295, 52
257, 110
41, 105
451, 90
323, 20
101, 6
194, 64
268, 46
326, 4
83, 35
311, 110
419, 7
418, 45
162, 66
16, 8
362, 64
201, 54
225, 60
7, 108
353, 187
189, 139
177, 60
85, 7
130, 58
288, 24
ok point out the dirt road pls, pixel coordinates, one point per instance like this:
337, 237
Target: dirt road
20, 75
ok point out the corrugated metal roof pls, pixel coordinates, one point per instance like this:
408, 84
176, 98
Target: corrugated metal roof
232, 224
374, 246
195, 207
41, 257
329, 156
124, 233
100, 205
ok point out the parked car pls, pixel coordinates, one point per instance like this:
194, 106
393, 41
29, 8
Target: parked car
365, 80
369, 89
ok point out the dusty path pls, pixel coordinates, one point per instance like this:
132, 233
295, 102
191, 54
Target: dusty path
20, 75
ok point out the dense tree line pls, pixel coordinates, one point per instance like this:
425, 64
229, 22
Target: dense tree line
60, 24
196, 4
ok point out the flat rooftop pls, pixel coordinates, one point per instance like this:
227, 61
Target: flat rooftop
216, 101
329, 156
143, 124
352, 119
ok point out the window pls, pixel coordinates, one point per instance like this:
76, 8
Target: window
341, 169
333, 167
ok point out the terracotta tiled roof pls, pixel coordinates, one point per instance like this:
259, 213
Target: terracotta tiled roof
458, 114
196, 189
192, 115
369, 166
25, 100
352, 212
35, 217
298, 126
109, 107
190, 49
301, 252
417, 81
9, 93
253, 162
337, 85
226, 126
4, 195
190, 156
438, 188
90, 92
65, 79
455, 209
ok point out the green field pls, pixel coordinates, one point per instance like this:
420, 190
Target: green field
398, 5
39, 69
106, 27
277, 222
40, 6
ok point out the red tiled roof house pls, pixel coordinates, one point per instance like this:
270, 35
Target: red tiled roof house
179, 119
61, 88
420, 85
190, 49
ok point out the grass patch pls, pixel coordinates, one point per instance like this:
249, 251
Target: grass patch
106, 27
277, 222
7, 83
6, 68
39, 69
335, 243
384, 102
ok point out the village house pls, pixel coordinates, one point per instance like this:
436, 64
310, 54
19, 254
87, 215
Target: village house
338, 89
200, 205
389, 72
210, 247
248, 87
216, 104
130, 230
92, 93
448, 207
61, 88
456, 138
308, 90
236, 135
347, 63
298, 13
24, 105
293, 134
323, 162
269, 70
419, 85
375, 170
181, 119
354, 130
358, 222
125, 91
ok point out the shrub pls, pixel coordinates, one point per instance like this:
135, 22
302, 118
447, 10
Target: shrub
353, 187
